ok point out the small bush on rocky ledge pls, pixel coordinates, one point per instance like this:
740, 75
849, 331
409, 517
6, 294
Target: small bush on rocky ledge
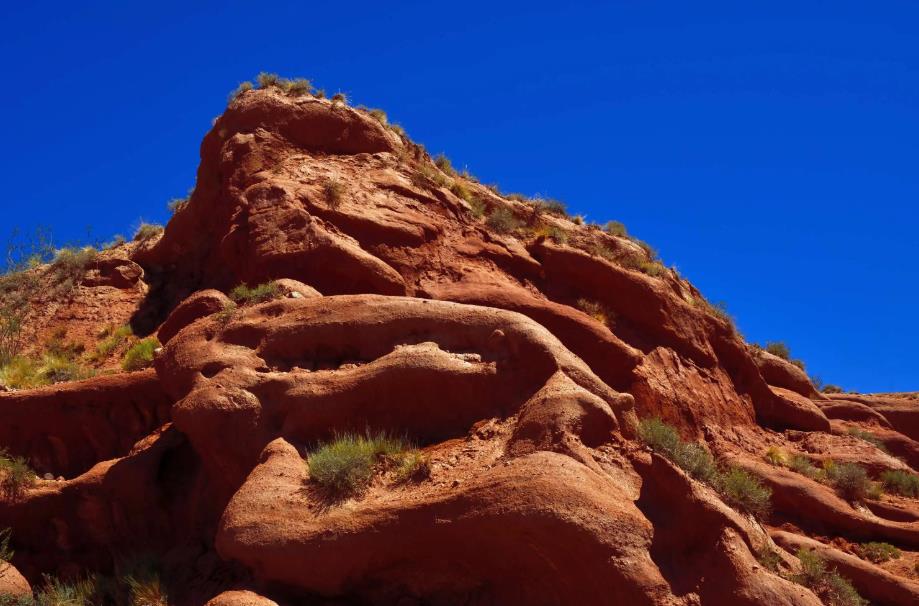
829, 586
745, 492
140, 355
596, 310
243, 295
901, 482
333, 190
867, 436
147, 231
502, 221
831, 389
70, 265
777, 348
15, 475
615, 228
878, 552
801, 464
775, 456
243, 87
112, 339
345, 466
850, 480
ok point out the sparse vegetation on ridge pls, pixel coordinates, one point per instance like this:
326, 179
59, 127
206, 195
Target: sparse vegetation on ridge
867, 436
877, 552
147, 231
829, 585
244, 295
737, 487
901, 482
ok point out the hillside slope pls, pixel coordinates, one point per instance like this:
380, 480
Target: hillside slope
539, 411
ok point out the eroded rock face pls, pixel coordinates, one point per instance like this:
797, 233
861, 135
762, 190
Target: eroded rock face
518, 365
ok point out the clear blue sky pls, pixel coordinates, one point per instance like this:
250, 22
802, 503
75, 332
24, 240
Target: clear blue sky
769, 150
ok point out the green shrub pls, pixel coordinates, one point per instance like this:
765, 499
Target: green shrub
243, 87
901, 482
775, 456
140, 355
878, 552
319, 93
477, 207
460, 191
413, 465
70, 265
443, 163
22, 373
691, 457
16, 474
615, 228
661, 437
265, 80
112, 340
697, 461
140, 575
550, 206
300, 87
147, 231
177, 205
850, 480
345, 466
867, 436
801, 464
745, 492
243, 295
340, 98
56, 369
333, 190
832, 389
830, 587
769, 557
777, 348
59, 593
798, 363
502, 220
11, 319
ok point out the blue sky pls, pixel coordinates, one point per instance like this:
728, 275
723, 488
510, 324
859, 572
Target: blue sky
769, 150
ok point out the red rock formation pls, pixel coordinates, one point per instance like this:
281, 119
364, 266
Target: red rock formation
518, 360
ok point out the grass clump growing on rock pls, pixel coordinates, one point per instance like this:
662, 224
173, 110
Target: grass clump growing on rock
901, 482
112, 339
830, 587
596, 310
867, 436
850, 480
878, 552
502, 221
615, 228
745, 492
147, 231
775, 456
801, 464
333, 190
345, 466
244, 295
140, 355
15, 475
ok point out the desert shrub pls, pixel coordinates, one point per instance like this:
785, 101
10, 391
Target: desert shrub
443, 163
140, 355
141, 577
502, 220
57, 369
319, 93
517, 197
333, 190
112, 340
867, 436
777, 348
340, 98
832, 389
830, 587
345, 466
745, 492
850, 480
799, 363
243, 87
265, 80
57, 345
615, 228
578, 219
878, 552
21, 373
477, 207
775, 456
412, 465
652, 268
147, 231
300, 87
556, 234
177, 204
58, 593
596, 310
768, 556
801, 464
426, 176
901, 482
460, 191
70, 265
6, 552
550, 206
689, 456
399, 130
243, 295
379, 115
15, 475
